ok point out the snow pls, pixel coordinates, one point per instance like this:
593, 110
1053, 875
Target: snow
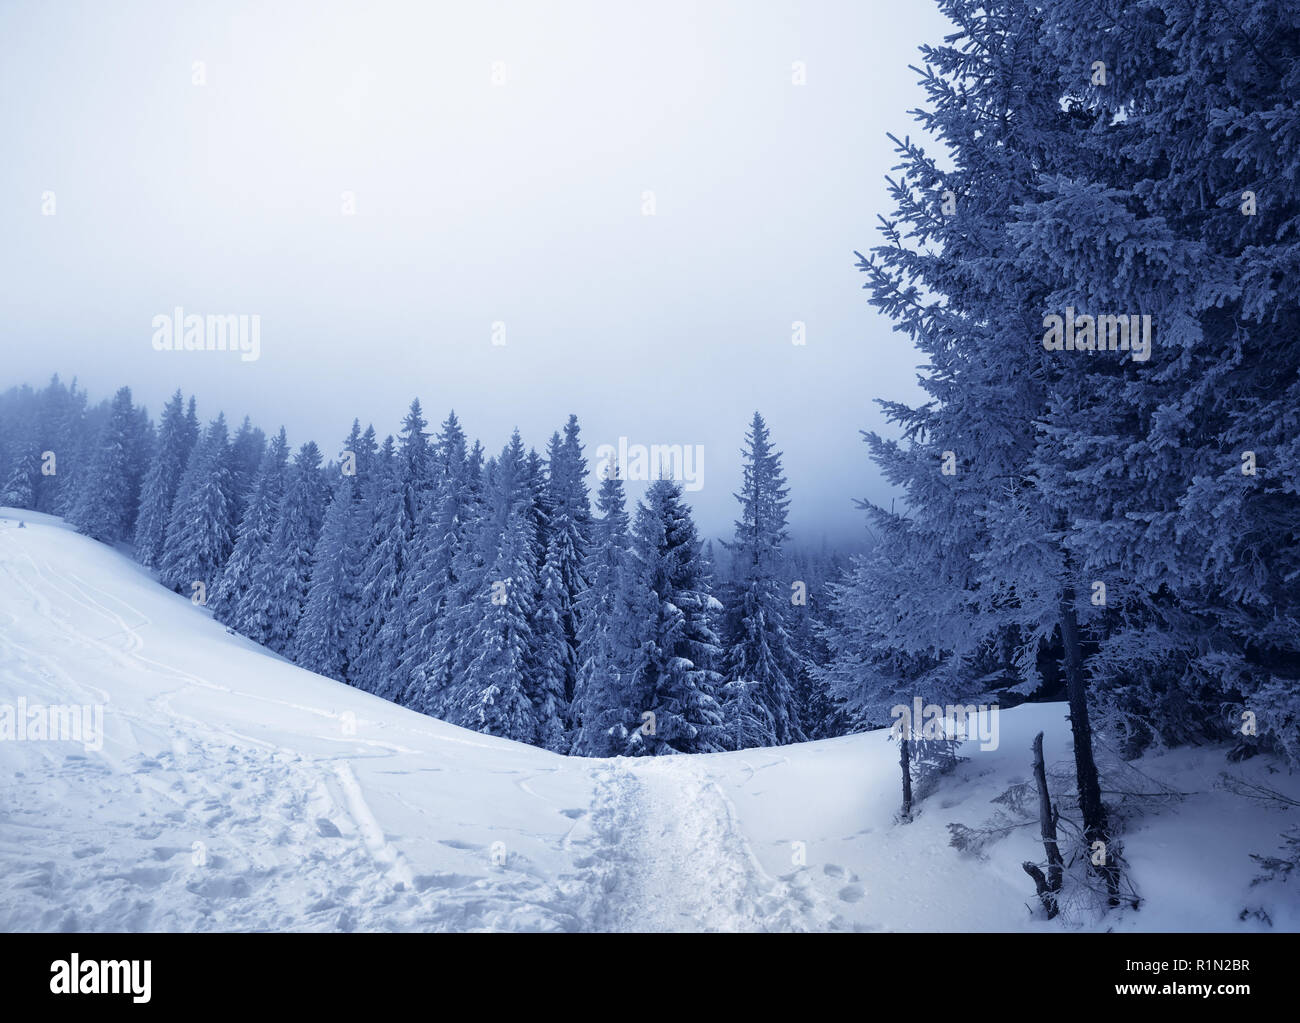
236, 791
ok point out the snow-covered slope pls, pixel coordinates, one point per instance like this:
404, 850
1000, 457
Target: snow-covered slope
234, 791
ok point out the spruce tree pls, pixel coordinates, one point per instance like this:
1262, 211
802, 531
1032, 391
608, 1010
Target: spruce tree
380, 580
760, 651
199, 531
278, 590
494, 696
328, 617
674, 676
568, 530
469, 574
977, 554
105, 501
229, 600
405, 518
493, 688
1176, 474
19, 489
432, 582
602, 713
158, 490
69, 434
551, 657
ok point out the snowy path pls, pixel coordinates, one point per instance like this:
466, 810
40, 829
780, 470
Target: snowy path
672, 857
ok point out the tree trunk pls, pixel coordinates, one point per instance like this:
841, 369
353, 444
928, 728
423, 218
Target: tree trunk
1050, 886
905, 746
1095, 828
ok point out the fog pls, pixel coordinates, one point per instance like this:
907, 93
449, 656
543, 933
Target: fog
519, 210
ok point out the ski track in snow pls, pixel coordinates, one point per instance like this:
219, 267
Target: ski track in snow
291, 841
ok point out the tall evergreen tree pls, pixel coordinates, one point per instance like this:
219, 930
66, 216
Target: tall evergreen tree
494, 689
469, 572
20, 449
64, 429
229, 600
432, 581
978, 554
1175, 475
674, 677
199, 530
568, 536
760, 651
158, 491
551, 657
381, 575
415, 461
603, 712
278, 590
105, 501
19, 489
329, 614
494, 695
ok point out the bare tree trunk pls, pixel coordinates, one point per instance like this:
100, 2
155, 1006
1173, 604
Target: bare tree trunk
1095, 827
904, 757
1050, 886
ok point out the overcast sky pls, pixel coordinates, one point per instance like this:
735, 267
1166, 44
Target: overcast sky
498, 157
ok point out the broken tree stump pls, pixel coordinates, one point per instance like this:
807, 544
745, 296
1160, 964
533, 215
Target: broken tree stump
1049, 886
